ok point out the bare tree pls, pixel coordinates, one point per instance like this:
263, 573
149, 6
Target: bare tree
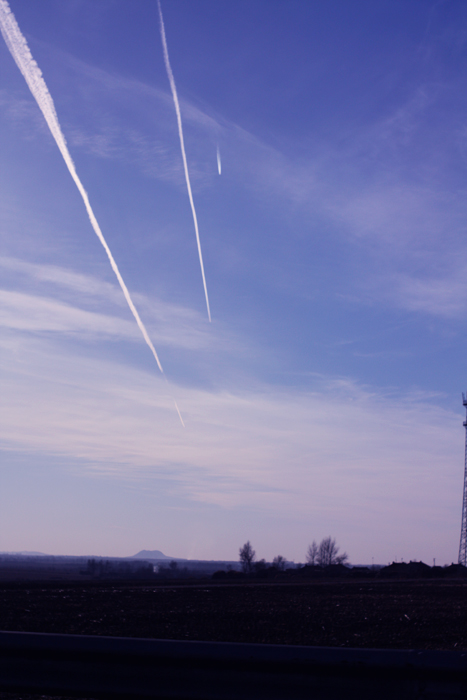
279, 562
328, 553
247, 556
312, 554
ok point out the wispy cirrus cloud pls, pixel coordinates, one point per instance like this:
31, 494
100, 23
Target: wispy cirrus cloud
27, 312
363, 179
83, 284
437, 296
45, 298
363, 185
328, 450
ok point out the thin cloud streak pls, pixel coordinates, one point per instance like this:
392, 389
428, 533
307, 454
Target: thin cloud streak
45, 299
182, 146
19, 49
394, 218
445, 297
394, 211
57, 276
364, 203
36, 295
237, 443
40, 314
31, 313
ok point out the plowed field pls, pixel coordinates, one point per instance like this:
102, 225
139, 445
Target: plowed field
377, 614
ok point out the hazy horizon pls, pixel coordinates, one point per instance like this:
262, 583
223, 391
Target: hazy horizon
146, 555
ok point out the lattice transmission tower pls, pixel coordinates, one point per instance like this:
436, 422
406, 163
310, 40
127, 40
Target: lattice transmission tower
463, 541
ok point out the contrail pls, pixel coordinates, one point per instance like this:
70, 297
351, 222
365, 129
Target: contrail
182, 146
219, 161
32, 74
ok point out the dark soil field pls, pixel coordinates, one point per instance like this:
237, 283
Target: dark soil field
373, 614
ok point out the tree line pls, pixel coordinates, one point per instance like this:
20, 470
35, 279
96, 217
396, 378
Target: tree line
324, 554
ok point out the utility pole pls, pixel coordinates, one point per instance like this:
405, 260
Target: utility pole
463, 540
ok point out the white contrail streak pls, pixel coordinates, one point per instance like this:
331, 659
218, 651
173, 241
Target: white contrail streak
179, 414
31, 72
219, 167
182, 146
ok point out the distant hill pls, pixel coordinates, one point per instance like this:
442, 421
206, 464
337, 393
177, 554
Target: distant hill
150, 554
26, 554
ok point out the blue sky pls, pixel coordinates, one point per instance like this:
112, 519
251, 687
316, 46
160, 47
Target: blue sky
325, 396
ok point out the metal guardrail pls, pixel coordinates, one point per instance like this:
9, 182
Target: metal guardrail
114, 667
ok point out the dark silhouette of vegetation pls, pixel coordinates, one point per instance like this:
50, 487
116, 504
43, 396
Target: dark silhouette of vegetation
247, 557
327, 554
259, 566
312, 554
279, 562
173, 570
104, 568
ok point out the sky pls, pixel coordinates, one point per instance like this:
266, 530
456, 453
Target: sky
324, 398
